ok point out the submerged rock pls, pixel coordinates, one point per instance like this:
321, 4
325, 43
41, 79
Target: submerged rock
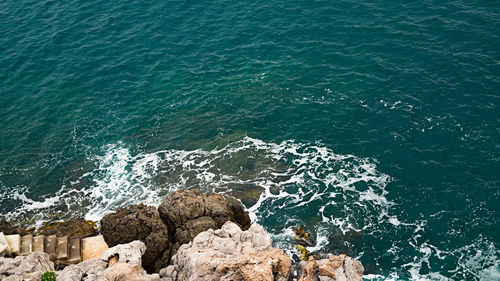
139, 222
73, 227
29, 268
229, 254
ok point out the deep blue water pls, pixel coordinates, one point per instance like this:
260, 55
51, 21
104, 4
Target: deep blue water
374, 124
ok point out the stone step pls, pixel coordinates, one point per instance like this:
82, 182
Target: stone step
62, 248
38, 242
6, 250
74, 250
50, 246
14, 241
92, 247
26, 244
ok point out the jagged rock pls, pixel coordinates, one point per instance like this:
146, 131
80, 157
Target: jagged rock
139, 222
229, 254
189, 212
72, 227
127, 268
28, 268
7, 229
188, 231
339, 268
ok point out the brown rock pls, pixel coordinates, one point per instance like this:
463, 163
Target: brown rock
339, 267
310, 270
185, 205
188, 231
139, 222
73, 227
7, 229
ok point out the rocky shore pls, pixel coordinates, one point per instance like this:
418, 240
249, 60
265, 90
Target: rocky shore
190, 236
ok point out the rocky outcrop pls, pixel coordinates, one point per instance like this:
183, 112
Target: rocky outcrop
189, 212
73, 227
27, 268
139, 222
7, 229
127, 267
339, 268
229, 254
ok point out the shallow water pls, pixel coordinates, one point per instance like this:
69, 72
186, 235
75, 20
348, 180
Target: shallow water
375, 125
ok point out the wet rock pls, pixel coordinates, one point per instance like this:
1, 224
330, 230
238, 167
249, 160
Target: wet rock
7, 229
340, 268
139, 222
30, 267
229, 254
189, 212
73, 227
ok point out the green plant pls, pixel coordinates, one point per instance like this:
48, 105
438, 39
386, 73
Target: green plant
49, 276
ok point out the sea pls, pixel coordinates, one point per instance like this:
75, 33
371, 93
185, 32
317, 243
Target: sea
373, 124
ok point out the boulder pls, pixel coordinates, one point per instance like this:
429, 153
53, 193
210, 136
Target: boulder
73, 227
7, 229
30, 267
229, 254
189, 212
339, 268
119, 263
139, 222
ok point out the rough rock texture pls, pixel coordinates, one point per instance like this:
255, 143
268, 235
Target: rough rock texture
339, 268
126, 268
28, 268
7, 229
139, 222
189, 212
72, 227
229, 254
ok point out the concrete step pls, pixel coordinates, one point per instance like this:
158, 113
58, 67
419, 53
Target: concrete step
92, 247
38, 242
26, 244
74, 250
6, 250
14, 241
62, 248
50, 246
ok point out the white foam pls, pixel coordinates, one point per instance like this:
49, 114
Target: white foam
344, 192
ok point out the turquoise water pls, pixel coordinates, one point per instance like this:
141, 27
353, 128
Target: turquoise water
374, 124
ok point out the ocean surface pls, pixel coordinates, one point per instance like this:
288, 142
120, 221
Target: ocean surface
374, 124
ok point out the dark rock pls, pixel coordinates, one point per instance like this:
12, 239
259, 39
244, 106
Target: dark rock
188, 231
139, 222
73, 227
185, 205
7, 229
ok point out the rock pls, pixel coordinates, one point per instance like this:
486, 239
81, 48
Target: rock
73, 227
188, 231
139, 222
189, 212
7, 229
122, 262
30, 267
339, 268
229, 254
